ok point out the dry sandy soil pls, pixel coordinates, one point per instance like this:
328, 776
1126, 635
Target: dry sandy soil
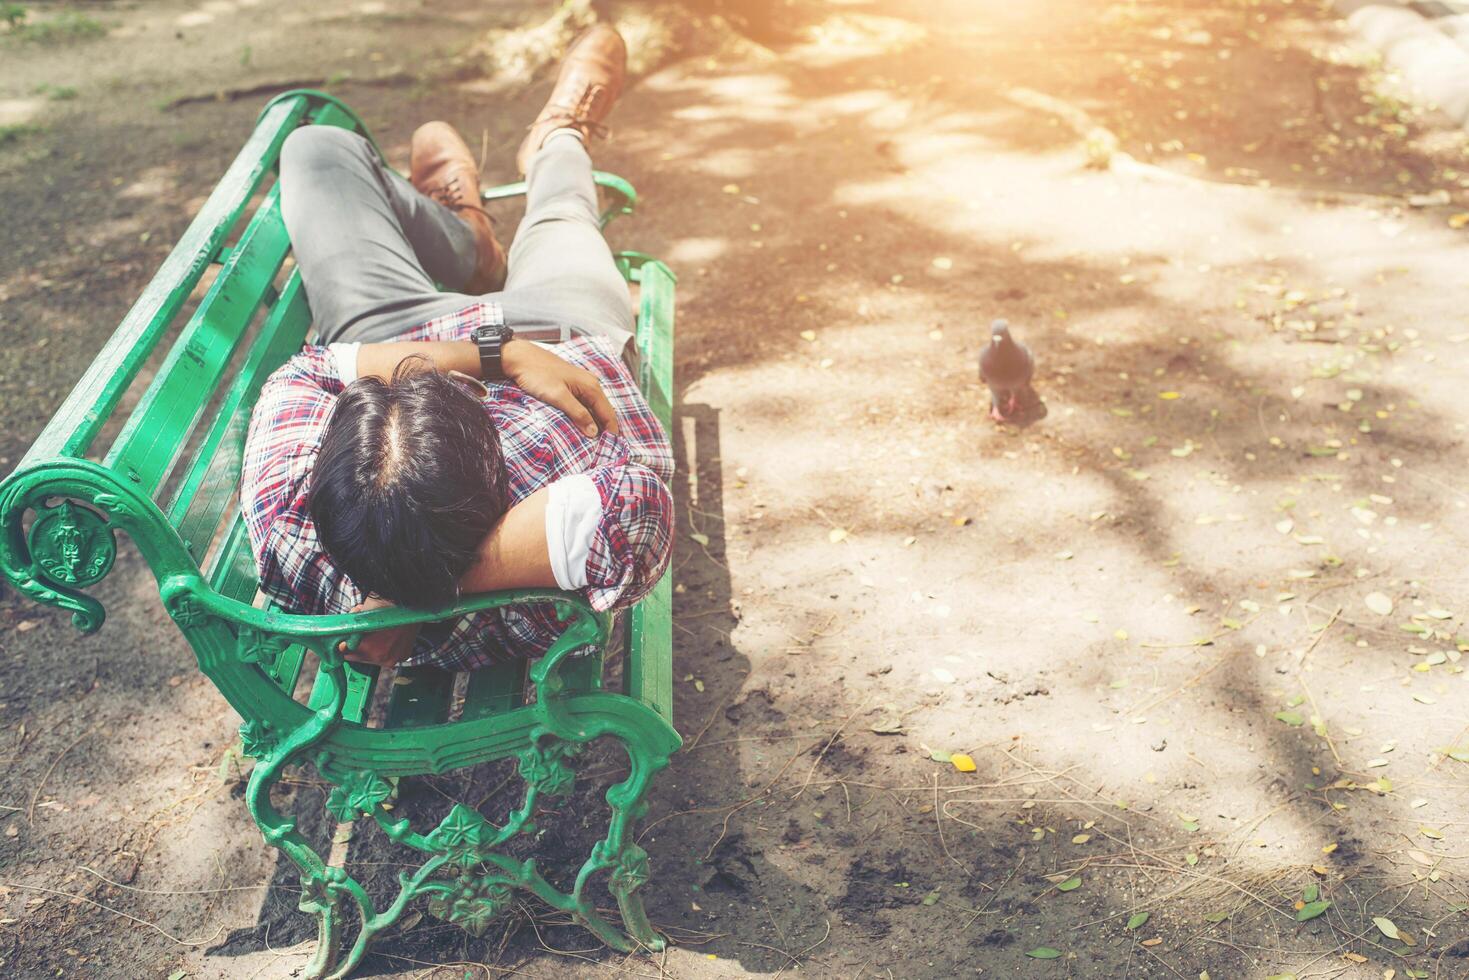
1234, 247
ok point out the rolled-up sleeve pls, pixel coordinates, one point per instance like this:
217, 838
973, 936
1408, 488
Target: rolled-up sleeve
631, 543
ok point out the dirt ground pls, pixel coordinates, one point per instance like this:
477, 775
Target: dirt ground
1198, 629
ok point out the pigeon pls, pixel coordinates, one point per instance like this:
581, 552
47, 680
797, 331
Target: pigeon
1006, 366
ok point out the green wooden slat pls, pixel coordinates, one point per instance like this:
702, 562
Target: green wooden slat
420, 696
360, 681
648, 675
208, 489
331, 114
494, 690
287, 669
234, 576
76, 423
232, 572
655, 340
155, 433
584, 672
627, 197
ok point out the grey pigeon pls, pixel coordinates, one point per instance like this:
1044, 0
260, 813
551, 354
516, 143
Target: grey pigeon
1006, 365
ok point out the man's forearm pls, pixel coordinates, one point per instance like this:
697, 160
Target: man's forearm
512, 556
381, 360
515, 554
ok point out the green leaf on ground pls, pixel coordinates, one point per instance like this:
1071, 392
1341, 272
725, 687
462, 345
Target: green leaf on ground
1312, 909
1069, 885
1138, 919
1043, 953
1291, 718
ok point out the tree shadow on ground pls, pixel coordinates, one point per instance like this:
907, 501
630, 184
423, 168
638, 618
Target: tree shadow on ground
860, 822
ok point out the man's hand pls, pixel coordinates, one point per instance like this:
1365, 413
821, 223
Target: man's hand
384, 647
573, 390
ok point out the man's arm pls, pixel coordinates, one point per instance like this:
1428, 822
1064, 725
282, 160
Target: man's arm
513, 556
622, 544
537, 372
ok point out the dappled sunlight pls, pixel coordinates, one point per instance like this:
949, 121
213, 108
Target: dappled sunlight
1141, 587
1194, 639
847, 35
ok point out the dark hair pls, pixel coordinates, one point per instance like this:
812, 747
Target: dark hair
408, 481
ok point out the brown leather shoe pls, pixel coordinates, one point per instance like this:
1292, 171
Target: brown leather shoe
588, 86
441, 167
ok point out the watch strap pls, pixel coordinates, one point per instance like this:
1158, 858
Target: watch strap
491, 343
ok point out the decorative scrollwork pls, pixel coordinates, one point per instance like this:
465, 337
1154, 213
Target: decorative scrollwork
316, 895
257, 647
360, 792
86, 613
258, 739
631, 871
462, 835
188, 612
113, 504
72, 546
541, 766
474, 902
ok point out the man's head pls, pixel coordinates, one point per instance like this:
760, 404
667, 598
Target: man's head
408, 481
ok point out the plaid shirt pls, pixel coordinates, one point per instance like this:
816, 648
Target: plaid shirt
630, 472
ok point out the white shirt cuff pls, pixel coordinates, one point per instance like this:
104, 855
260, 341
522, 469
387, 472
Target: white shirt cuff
573, 513
345, 356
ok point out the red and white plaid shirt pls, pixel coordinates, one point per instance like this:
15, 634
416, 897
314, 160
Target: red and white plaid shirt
630, 471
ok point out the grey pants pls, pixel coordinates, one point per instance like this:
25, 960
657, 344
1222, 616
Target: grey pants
370, 247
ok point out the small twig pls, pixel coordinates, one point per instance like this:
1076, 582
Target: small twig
797, 958
994, 894
490, 971
31, 810
1316, 710
729, 806
722, 706
938, 820
1163, 961
1314, 643
834, 736
108, 908
724, 828
1180, 688
160, 891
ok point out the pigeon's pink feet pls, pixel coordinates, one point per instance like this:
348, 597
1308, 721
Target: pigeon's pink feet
997, 415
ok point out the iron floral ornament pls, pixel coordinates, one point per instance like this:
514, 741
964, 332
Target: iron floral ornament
72, 545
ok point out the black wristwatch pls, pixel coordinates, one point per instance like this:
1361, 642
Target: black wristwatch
491, 342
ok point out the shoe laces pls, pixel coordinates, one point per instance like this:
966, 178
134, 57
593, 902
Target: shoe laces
451, 195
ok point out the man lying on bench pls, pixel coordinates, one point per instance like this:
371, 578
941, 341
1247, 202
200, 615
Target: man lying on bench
429, 449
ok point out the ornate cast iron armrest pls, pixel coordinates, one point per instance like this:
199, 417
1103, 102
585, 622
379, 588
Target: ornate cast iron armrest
191, 602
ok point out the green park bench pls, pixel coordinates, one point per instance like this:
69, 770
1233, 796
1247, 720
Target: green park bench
169, 479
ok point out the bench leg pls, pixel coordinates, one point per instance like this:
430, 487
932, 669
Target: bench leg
317, 897
466, 879
618, 852
635, 917
320, 885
